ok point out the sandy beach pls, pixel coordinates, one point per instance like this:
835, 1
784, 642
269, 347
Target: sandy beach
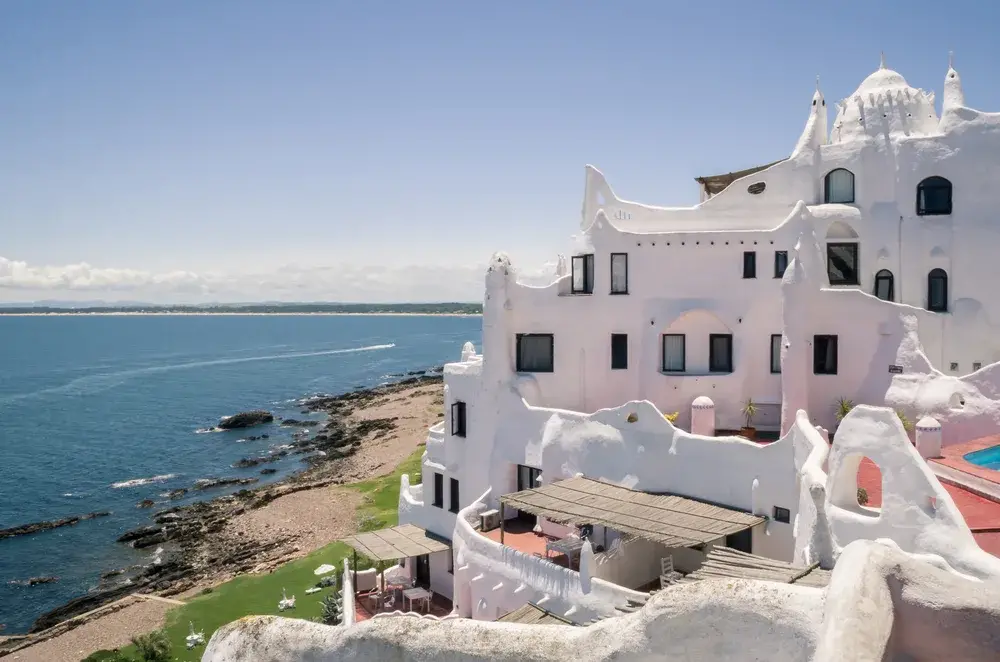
296, 524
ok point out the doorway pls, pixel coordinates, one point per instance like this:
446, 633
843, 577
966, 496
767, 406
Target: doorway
527, 479
742, 541
424, 571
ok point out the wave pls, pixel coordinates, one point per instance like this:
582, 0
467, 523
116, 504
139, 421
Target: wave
136, 482
103, 382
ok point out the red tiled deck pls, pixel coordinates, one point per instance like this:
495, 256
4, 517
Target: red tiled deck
440, 606
518, 534
982, 515
953, 458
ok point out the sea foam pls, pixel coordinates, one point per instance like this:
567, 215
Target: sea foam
136, 482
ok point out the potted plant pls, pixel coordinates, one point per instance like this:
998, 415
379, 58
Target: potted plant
749, 412
843, 408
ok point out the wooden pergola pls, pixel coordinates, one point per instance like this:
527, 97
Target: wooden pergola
394, 543
725, 563
671, 520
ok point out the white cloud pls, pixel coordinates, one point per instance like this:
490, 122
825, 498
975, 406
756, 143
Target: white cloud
20, 281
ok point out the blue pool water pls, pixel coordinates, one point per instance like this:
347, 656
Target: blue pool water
99, 413
988, 458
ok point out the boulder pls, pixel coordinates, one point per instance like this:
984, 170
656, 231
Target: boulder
246, 419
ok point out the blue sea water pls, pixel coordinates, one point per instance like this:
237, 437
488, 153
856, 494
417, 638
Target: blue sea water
99, 413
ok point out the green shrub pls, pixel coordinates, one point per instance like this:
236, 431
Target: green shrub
107, 656
153, 647
844, 407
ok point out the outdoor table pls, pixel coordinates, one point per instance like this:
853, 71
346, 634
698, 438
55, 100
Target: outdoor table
418, 593
567, 546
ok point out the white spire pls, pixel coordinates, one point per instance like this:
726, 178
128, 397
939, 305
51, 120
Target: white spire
954, 96
951, 59
881, 64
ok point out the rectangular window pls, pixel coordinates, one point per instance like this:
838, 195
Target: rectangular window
619, 351
780, 263
720, 352
842, 263
458, 419
527, 477
673, 352
453, 496
535, 352
750, 264
782, 515
775, 353
825, 355
619, 273
438, 491
583, 274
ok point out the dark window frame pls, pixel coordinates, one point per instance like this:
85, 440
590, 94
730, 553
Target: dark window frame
937, 274
552, 351
783, 515
826, 188
612, 273
586, 260
857, 262
935, 183
824, 369
451, 562
619, 365
728, 356
749, 264
453, 495
775, 336
663, 352
779, 273
438, 490
458, 412
885, 274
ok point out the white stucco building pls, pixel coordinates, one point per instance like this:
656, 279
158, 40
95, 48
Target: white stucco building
859, 268
887, 220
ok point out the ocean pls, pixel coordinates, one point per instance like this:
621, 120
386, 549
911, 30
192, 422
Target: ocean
99, 413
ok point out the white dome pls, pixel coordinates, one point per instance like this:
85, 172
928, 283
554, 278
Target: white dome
880, 81
884, 104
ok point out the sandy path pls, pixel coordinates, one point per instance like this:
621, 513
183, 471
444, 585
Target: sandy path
302, 521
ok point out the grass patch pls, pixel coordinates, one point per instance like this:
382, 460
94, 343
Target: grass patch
249, 595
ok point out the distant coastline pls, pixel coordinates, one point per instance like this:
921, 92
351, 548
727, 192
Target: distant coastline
400, 309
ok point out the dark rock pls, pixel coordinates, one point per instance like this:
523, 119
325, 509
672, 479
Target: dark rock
177, 494
112, 573
246, 419
265, 436
208, 483
145, 503
293, 422
268, 472
27, 529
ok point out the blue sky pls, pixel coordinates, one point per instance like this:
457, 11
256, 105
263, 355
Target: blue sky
224, 150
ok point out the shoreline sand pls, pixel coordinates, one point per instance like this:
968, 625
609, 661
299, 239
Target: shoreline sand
295, 523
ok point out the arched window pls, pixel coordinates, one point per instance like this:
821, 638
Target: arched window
934, 197
937, 291
839, 186
884, 285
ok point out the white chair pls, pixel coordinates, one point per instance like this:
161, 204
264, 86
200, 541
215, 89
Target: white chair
667, 575
286, 602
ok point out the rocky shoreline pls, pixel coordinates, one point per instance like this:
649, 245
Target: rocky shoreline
195, 547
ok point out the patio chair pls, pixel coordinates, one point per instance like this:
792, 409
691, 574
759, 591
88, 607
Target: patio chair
390, 601
667, 574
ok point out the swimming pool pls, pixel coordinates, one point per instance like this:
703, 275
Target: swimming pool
988, 458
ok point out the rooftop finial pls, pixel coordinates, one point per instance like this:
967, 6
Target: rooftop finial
817, 82
951, 59
881, 64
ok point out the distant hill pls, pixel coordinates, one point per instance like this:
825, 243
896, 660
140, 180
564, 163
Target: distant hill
249, 308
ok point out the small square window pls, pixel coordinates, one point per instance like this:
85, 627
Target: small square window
825, 355
619, 351
535, 352
750, 264
720, 352
954, 366
673, 352
619, 273
780, 263
458, 419
583, 274
842, 263
782, 515
977, 366
775, 353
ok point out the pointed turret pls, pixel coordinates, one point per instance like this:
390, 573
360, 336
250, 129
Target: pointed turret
814, 134
953, 97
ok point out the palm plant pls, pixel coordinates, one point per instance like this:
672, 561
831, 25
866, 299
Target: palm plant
333, 607
844, 407
749, 412
153, 647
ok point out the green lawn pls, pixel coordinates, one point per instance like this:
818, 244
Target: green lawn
259, 594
